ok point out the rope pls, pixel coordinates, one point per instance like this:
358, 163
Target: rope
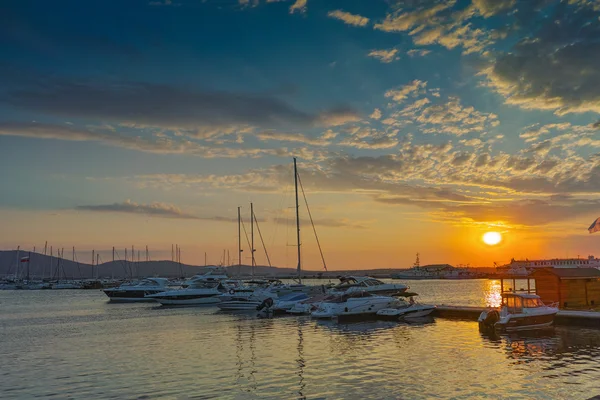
262, 241
246, 234
312, 223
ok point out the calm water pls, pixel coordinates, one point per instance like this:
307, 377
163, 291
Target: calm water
73, 344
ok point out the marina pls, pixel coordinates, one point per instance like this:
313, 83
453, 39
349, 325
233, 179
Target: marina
78, 344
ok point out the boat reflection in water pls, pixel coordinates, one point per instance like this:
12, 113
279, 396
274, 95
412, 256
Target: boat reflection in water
556, 346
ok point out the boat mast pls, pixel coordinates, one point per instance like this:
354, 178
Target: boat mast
298, 268
239, 236
252, 236
28, 261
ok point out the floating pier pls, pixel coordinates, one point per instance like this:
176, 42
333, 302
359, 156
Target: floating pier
564, 317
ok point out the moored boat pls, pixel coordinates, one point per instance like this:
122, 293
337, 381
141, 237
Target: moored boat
406, 310
367, 284
197, 293
138, 291
353, 304
518, 312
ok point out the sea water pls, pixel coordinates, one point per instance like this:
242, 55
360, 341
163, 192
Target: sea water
74, 344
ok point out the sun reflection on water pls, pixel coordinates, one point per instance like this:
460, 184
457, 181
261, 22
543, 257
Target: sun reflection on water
493, 297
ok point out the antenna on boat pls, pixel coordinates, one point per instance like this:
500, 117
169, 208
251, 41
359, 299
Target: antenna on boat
299, 267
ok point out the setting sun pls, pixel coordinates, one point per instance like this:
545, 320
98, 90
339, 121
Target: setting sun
492, 238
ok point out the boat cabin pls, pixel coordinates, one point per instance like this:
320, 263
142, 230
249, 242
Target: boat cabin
358, 281
516, 302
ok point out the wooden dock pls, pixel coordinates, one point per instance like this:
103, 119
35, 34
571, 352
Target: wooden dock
564, 317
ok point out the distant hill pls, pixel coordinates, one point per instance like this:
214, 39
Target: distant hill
43, 266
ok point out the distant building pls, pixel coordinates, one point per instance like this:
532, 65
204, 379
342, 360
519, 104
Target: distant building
524, 267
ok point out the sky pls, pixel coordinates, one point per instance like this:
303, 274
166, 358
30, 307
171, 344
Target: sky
418, 126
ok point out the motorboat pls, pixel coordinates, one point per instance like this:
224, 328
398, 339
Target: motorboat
305, 307
258, 288
281, 305
251, 302
197, 293
518, 312
406, 310
66, 285
283, 289
213, 274
353, 304
137, 291
367, 284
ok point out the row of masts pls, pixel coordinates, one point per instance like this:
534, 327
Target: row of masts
254, 220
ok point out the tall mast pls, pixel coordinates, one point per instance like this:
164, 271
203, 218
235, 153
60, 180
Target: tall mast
298, 268
240, 236
18, 262
28, 262
252, 236
93, 259
97, 263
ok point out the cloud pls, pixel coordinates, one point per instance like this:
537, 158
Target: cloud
453, 118
159, 105
407, 20
325, 222
347, 18
292, 137
298, 6
376, 114
161, 144
488, 8
418, 52
337, 116
154, 209
441, 22
162, 3
385, 56
557, 68
414, 88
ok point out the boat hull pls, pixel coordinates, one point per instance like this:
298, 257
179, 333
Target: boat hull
235, 305
405, 313
173, 301
525, 323
126, 296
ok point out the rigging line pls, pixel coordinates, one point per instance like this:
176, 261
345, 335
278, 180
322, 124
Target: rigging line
246, 234
262, 241
122, 263
312, 223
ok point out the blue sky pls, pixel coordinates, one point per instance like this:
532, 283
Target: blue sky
446, 118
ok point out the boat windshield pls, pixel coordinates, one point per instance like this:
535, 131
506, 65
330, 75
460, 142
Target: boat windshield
532, 303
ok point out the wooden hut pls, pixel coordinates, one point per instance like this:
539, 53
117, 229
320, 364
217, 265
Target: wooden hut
569, 287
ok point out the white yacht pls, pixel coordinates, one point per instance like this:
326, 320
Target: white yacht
406, 310
213, 274
367, 284
197, 293
282, 304
353, 304
137, 291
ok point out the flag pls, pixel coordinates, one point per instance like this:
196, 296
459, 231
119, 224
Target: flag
595, 227
24, 259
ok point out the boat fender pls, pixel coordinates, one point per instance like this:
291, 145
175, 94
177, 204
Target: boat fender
231, 291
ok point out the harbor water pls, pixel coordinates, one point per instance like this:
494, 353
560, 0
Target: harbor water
74, 344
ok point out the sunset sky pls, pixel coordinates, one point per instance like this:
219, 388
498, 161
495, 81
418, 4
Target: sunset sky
418, 126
